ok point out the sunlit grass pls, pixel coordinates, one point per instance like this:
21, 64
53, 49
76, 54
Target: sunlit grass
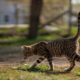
23, 73
17, 40
17, 29
77, 72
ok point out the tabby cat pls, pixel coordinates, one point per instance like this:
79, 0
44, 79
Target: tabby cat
67, 47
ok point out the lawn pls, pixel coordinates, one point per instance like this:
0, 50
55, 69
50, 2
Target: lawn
20, 40
23, 73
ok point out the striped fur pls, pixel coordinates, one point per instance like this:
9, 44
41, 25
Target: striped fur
67, 47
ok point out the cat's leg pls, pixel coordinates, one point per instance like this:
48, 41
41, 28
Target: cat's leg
50, 63
38, 61
72, 64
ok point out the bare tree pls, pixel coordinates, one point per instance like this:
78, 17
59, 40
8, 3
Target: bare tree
35, 12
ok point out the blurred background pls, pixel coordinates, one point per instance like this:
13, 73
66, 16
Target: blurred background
30, 21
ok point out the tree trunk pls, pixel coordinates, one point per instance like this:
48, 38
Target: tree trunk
35, 11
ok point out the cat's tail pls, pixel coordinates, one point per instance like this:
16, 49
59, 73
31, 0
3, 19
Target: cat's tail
78, 24
77, 58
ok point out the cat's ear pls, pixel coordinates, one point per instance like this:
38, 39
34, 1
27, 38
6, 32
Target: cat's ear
23, 47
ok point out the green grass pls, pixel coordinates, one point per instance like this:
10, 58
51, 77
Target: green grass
36, 74
17, 40
17, 29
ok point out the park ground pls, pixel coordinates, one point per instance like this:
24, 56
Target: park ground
12, 69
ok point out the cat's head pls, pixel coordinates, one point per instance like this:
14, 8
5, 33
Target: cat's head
27, 51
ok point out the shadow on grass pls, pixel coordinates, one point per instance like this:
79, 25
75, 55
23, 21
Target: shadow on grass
37, 70
46, 71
